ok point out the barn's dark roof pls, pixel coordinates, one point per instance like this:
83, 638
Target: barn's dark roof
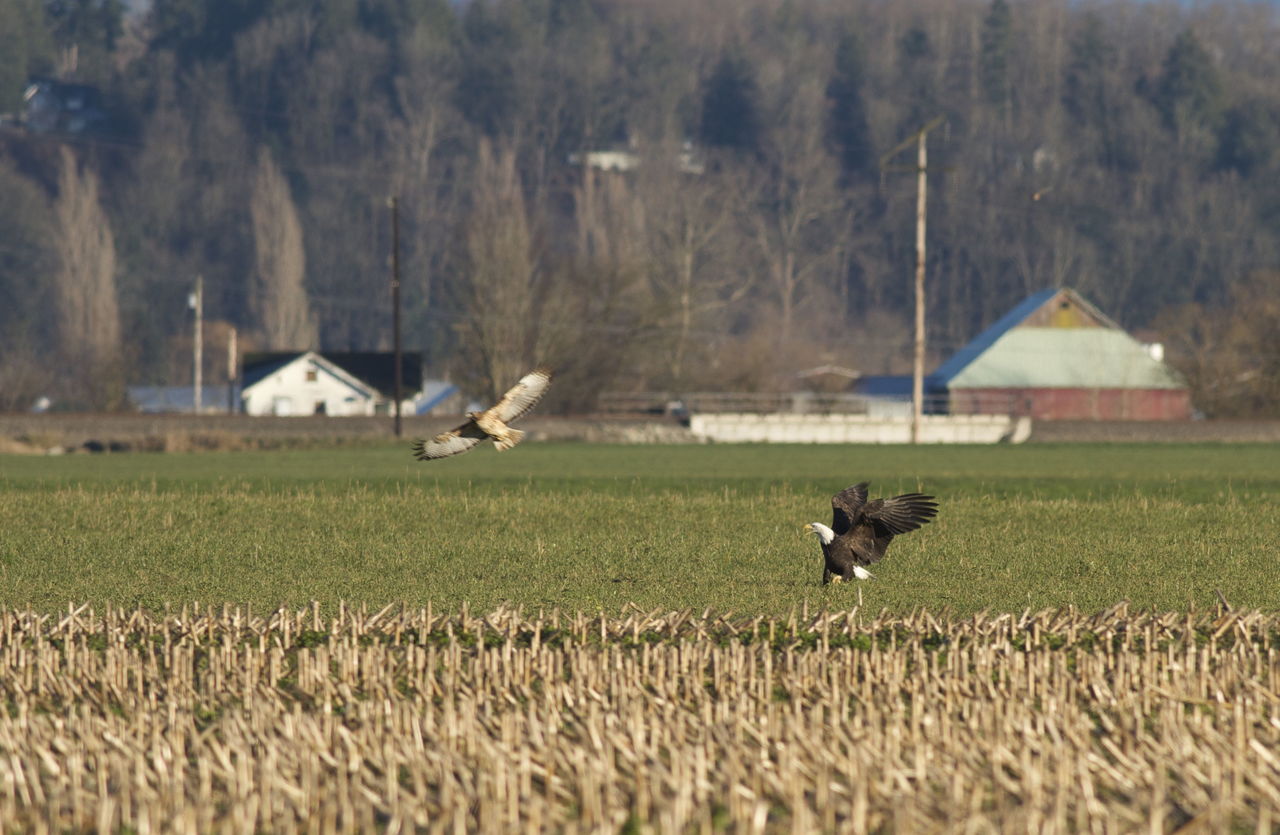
374, 368
255, 367
378, 369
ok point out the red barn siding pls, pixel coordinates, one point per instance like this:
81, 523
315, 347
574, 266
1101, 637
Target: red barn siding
1074, 403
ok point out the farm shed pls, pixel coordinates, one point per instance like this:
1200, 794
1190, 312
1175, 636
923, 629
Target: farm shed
302, 383
1057, 357
330, 383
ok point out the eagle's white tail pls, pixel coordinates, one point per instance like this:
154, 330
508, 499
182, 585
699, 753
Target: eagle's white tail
513, 437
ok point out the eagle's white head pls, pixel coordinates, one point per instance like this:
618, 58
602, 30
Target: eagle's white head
824, 533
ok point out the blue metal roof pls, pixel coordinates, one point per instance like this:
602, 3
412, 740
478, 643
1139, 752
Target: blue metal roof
945, 373
894, 385
159, 399
434, 392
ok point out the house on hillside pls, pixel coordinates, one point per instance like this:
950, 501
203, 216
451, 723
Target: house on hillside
329, 383
50, 105
1053, 357
624, 158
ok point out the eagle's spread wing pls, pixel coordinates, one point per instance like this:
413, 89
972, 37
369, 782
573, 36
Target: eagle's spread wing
522, 397
846, 506
458, 439
901, 513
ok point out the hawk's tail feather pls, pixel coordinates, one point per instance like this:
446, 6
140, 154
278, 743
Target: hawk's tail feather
513, 437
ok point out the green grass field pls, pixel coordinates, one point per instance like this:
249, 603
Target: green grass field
597, 527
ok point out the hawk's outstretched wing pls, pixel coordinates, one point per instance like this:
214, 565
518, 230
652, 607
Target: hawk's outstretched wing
846, 506
459, 439
522, 397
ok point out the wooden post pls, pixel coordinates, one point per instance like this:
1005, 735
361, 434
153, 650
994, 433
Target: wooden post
231, 371
197, 303
917, 368
917, 364
395, 304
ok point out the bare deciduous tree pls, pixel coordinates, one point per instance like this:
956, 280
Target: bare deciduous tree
500, 273
279, 301
85, 281
797, 226
592, 309
1230, 355
693, 272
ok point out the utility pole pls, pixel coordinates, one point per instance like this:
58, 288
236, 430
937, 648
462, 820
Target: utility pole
394, 203
197, 303
231, 371
917, 368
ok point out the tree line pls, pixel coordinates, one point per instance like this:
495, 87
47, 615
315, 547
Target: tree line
1129, 150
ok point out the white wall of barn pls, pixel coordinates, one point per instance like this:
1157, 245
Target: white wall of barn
306, 387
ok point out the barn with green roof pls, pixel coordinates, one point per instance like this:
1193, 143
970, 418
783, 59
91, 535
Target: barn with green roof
1057, 357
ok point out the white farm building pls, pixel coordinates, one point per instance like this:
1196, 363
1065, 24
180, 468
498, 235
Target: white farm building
304, 384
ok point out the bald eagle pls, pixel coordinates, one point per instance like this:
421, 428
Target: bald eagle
861, 530
491, 423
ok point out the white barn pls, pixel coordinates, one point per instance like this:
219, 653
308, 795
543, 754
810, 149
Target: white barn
305, 384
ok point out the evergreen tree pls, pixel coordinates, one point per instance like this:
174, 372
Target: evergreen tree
914, 45
997, 44
730, 115
1084, 89
915, 53
395, 20
487, 92
25, 48
202, 30
1092, 98
88, 24
1248, 139
848, 125
1189, 93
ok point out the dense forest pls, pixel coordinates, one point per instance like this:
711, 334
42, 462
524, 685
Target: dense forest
755, 223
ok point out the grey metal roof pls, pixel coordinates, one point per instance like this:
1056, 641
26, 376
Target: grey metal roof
1028, 357
1010, 354
945, 373
158, 399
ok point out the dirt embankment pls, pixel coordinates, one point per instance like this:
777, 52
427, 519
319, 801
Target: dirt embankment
1155, 431
43, 434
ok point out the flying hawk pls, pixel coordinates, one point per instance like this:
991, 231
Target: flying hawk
491, 423
861, 531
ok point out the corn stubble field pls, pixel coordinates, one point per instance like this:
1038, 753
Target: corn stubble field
406, 720
579, 638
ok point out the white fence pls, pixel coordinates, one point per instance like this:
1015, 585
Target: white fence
858, 429
759, 403
804, 402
